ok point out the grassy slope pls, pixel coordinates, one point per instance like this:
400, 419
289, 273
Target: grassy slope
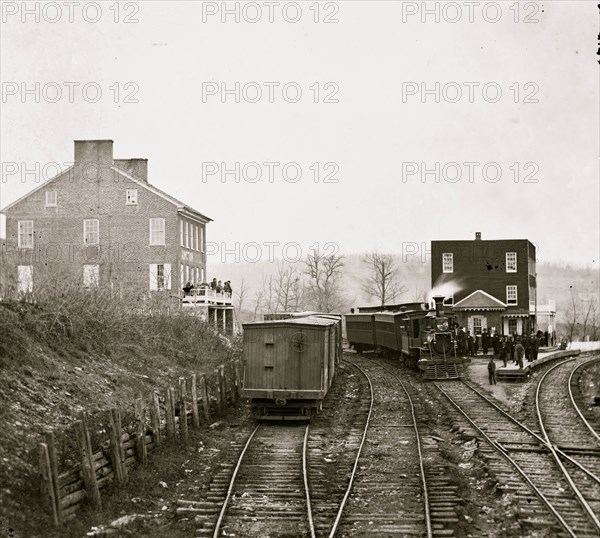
78, 351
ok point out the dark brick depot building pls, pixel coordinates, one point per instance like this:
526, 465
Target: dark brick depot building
490, 284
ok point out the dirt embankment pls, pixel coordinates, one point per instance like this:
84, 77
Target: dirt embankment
78, 351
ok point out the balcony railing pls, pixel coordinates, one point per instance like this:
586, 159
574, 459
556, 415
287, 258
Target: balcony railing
207, 296
543, 308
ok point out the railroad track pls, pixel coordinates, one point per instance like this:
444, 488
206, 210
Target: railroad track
525, 464
390, 495
564, 426
283, 483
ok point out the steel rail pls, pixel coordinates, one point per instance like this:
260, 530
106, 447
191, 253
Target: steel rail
538, 408
542, 441
422, 468
501, 450
585, 421
231, 484
362, 442
311, 523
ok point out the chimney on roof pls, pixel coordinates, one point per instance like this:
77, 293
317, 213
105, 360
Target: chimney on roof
477, 236
94, 158
137, 168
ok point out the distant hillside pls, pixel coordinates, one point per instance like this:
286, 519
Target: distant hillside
554, 281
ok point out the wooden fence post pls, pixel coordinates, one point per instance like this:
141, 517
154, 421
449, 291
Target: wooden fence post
223, 387
169, 414
183, 425
195, 415
140, 436
116, 446
204, 396
155, 419
47, 482
49, 440
87, 462
172, 403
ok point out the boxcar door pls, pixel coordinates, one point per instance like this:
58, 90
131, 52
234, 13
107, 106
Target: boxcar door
296, 343
268, 358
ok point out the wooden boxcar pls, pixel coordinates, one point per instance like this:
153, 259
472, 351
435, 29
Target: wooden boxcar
289, 365
388, 331
360, 332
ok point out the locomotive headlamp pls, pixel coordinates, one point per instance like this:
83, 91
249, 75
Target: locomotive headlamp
442, 324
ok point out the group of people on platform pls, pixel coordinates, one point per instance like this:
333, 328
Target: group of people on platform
215, 285
512, 348
469, 345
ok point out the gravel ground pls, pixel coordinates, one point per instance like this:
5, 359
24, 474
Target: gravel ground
146, 506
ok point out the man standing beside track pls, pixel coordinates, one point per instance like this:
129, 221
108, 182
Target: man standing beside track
503, 351
461, 337
492, 371
519, 352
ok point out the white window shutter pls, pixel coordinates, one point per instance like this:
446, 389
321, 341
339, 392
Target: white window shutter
167, 270
153, 277
25, 278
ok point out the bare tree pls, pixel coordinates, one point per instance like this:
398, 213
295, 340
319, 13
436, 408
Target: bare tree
241, 295
419, 295
288, 288
266, 296
323, 286
594, 321
382, 282
572, 314
281, 292
257, 303
589, 316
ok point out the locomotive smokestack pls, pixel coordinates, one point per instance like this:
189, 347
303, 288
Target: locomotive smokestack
439, 305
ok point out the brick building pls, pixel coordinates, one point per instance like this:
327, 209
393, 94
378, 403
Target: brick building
490, 284
100, 223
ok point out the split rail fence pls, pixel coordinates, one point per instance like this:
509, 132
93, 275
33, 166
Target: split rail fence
68, 481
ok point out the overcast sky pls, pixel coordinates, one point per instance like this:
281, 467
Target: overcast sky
378, 136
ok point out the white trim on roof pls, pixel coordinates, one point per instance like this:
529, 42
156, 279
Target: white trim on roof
39, 187
180, 205
501, 305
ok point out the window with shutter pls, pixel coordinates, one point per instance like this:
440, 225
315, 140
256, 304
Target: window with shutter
91, 276
25, 278
153, 272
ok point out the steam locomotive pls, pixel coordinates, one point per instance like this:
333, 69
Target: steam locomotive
424, 338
